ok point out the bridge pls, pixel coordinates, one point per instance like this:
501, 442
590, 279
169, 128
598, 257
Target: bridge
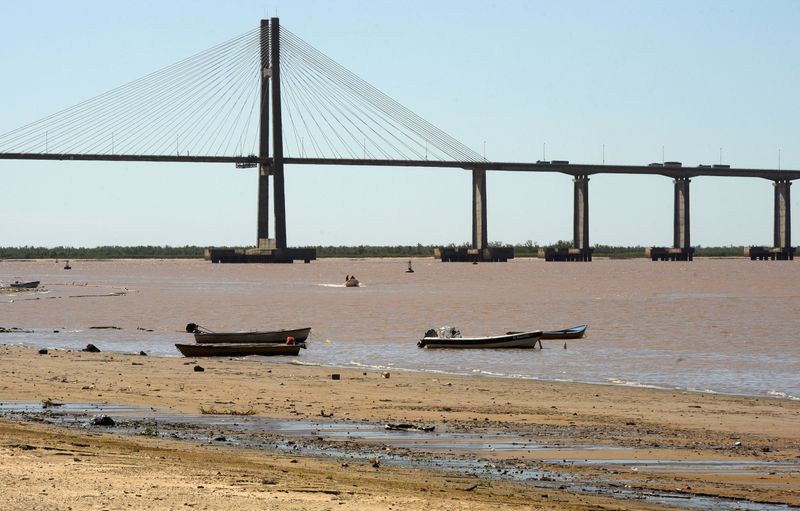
222, 105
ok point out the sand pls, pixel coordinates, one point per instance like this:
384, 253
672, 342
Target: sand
50, 466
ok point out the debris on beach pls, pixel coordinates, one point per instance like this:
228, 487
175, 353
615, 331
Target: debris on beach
199, 369
103, 420
91, 348
409, 427
323, 413
14, 330
49, 403
43, 351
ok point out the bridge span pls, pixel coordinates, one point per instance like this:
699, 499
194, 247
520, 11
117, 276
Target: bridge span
397, 138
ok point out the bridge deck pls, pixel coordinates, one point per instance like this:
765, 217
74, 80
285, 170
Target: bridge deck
573, 169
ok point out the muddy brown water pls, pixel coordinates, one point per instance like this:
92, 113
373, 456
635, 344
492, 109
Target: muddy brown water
723, 325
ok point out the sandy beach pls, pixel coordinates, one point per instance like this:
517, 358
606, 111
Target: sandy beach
48, 465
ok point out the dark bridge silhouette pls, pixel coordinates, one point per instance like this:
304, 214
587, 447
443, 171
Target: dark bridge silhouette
218, 107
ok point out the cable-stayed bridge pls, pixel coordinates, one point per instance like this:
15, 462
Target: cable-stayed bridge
268, 99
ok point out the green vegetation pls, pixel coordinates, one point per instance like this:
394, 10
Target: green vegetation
148, 431
142, 252
527, 249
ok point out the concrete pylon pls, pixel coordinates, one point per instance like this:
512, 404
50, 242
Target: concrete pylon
783, 214
480, 236
580, 217
262, 227
681, 230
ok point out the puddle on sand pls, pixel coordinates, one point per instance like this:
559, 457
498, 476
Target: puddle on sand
441, 450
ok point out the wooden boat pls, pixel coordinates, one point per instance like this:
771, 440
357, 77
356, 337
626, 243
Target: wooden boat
257, 336
575, 332
513, 340
237, 350
25, 285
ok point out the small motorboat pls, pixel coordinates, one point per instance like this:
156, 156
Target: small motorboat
351, 281
238, 350
32, 284
410, 269
575, 332
448, 337
67, 266
205, 336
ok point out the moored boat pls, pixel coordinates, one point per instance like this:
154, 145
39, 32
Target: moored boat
575, 332
25, 285
512, 340
202, 336
237, 350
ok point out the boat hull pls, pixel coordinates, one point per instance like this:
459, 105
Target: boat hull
575, 332
237, 350
273, 336
25, 285
527, 340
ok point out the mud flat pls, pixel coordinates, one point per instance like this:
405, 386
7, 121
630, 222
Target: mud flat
251, 434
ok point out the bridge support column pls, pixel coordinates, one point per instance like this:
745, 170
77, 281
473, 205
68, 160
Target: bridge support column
580, 219
783, 219
277, 137
262, 228
480, 237
681, 238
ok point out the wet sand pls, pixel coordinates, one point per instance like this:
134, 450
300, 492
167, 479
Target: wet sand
53, 467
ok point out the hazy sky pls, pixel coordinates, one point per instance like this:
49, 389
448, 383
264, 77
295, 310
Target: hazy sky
696, 78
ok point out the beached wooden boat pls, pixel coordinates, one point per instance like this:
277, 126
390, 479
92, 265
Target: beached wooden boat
575, 332
237, 350
513, 340
257, 336
25, 285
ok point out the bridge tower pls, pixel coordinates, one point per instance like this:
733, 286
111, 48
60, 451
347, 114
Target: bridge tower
271, 93
268, 250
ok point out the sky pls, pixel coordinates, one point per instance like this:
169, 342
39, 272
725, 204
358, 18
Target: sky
624, 82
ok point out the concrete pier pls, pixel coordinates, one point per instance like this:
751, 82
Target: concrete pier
580, 250
580, 222
782, 228
681, 234
474, 255
480, 236
783, 214
262, 228
681, 249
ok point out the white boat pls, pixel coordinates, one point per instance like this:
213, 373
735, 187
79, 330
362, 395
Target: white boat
453, 339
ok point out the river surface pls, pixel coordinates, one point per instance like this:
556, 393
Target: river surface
720, 325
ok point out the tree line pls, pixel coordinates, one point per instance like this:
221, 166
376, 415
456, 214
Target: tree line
527, 249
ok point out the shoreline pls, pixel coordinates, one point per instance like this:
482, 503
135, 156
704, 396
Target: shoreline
573, 422
770, 394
